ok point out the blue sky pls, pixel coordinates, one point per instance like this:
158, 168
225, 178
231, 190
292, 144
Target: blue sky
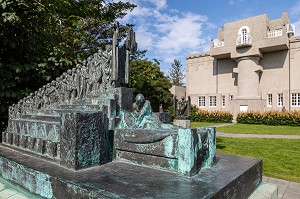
171, 29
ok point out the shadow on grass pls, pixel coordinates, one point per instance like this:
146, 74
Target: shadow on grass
220, 144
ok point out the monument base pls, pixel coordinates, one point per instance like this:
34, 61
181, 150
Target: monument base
231, 177
182, 123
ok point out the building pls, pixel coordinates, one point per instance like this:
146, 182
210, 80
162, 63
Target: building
254, 64
178, 91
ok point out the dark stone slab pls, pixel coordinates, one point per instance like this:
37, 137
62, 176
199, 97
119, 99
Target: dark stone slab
124, 98
39, 117
231, 177
84, 139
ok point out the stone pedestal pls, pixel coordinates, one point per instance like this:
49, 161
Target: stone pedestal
84, 139
182, 123
231, 177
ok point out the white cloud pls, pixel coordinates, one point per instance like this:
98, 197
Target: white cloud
166, 33
160, 4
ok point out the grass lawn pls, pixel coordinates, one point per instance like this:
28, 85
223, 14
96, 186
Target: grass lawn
280, 157
260, 129
198, 124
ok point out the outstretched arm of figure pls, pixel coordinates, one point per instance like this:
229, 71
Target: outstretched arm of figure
146, 110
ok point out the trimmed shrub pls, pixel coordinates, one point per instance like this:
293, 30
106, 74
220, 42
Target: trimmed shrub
199, 115
275, 117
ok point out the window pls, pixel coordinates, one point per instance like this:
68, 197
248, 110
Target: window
231, 97
223, 100
212, 101
280, 100
201, 101
295, 99
244, 36
269, 96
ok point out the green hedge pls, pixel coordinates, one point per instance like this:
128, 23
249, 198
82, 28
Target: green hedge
198, 115
290, 118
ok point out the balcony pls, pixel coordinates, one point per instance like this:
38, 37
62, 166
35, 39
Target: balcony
217, 43
274, 33
244, 40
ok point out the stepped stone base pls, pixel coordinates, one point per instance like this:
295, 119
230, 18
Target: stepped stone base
182, 123
231, 177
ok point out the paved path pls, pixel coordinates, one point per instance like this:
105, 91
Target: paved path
10, 191
286, 189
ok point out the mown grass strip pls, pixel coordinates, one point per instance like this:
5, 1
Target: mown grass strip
260, 129
280, 157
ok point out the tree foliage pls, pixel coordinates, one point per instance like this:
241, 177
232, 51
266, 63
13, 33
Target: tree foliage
146, 78
41, 39
176, 73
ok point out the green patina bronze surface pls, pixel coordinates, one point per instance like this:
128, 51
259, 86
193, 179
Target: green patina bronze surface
32, 180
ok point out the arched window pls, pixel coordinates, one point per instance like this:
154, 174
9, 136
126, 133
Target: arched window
244, 37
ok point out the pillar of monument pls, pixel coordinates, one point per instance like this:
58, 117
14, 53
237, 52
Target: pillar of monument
248, 78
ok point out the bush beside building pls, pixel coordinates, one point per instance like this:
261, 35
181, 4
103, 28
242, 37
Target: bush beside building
274, 117
198, 115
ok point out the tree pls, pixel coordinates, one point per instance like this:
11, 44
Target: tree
147, 79
41, 39
176, 73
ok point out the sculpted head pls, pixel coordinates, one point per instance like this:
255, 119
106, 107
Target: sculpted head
140, 100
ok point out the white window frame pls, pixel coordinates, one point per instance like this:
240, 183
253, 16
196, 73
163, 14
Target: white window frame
295, 99
223, 101
269, 100
201, 101
212, 101
231, 97
280, 100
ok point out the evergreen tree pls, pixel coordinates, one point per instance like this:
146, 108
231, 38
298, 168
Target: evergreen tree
176, 73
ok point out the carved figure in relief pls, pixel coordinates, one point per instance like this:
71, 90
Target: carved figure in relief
48, 94
97, 73
107, 68
101, 71
40, 99
60, 89
11, 114
84, 79
74, 92
70, 87
78, 81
